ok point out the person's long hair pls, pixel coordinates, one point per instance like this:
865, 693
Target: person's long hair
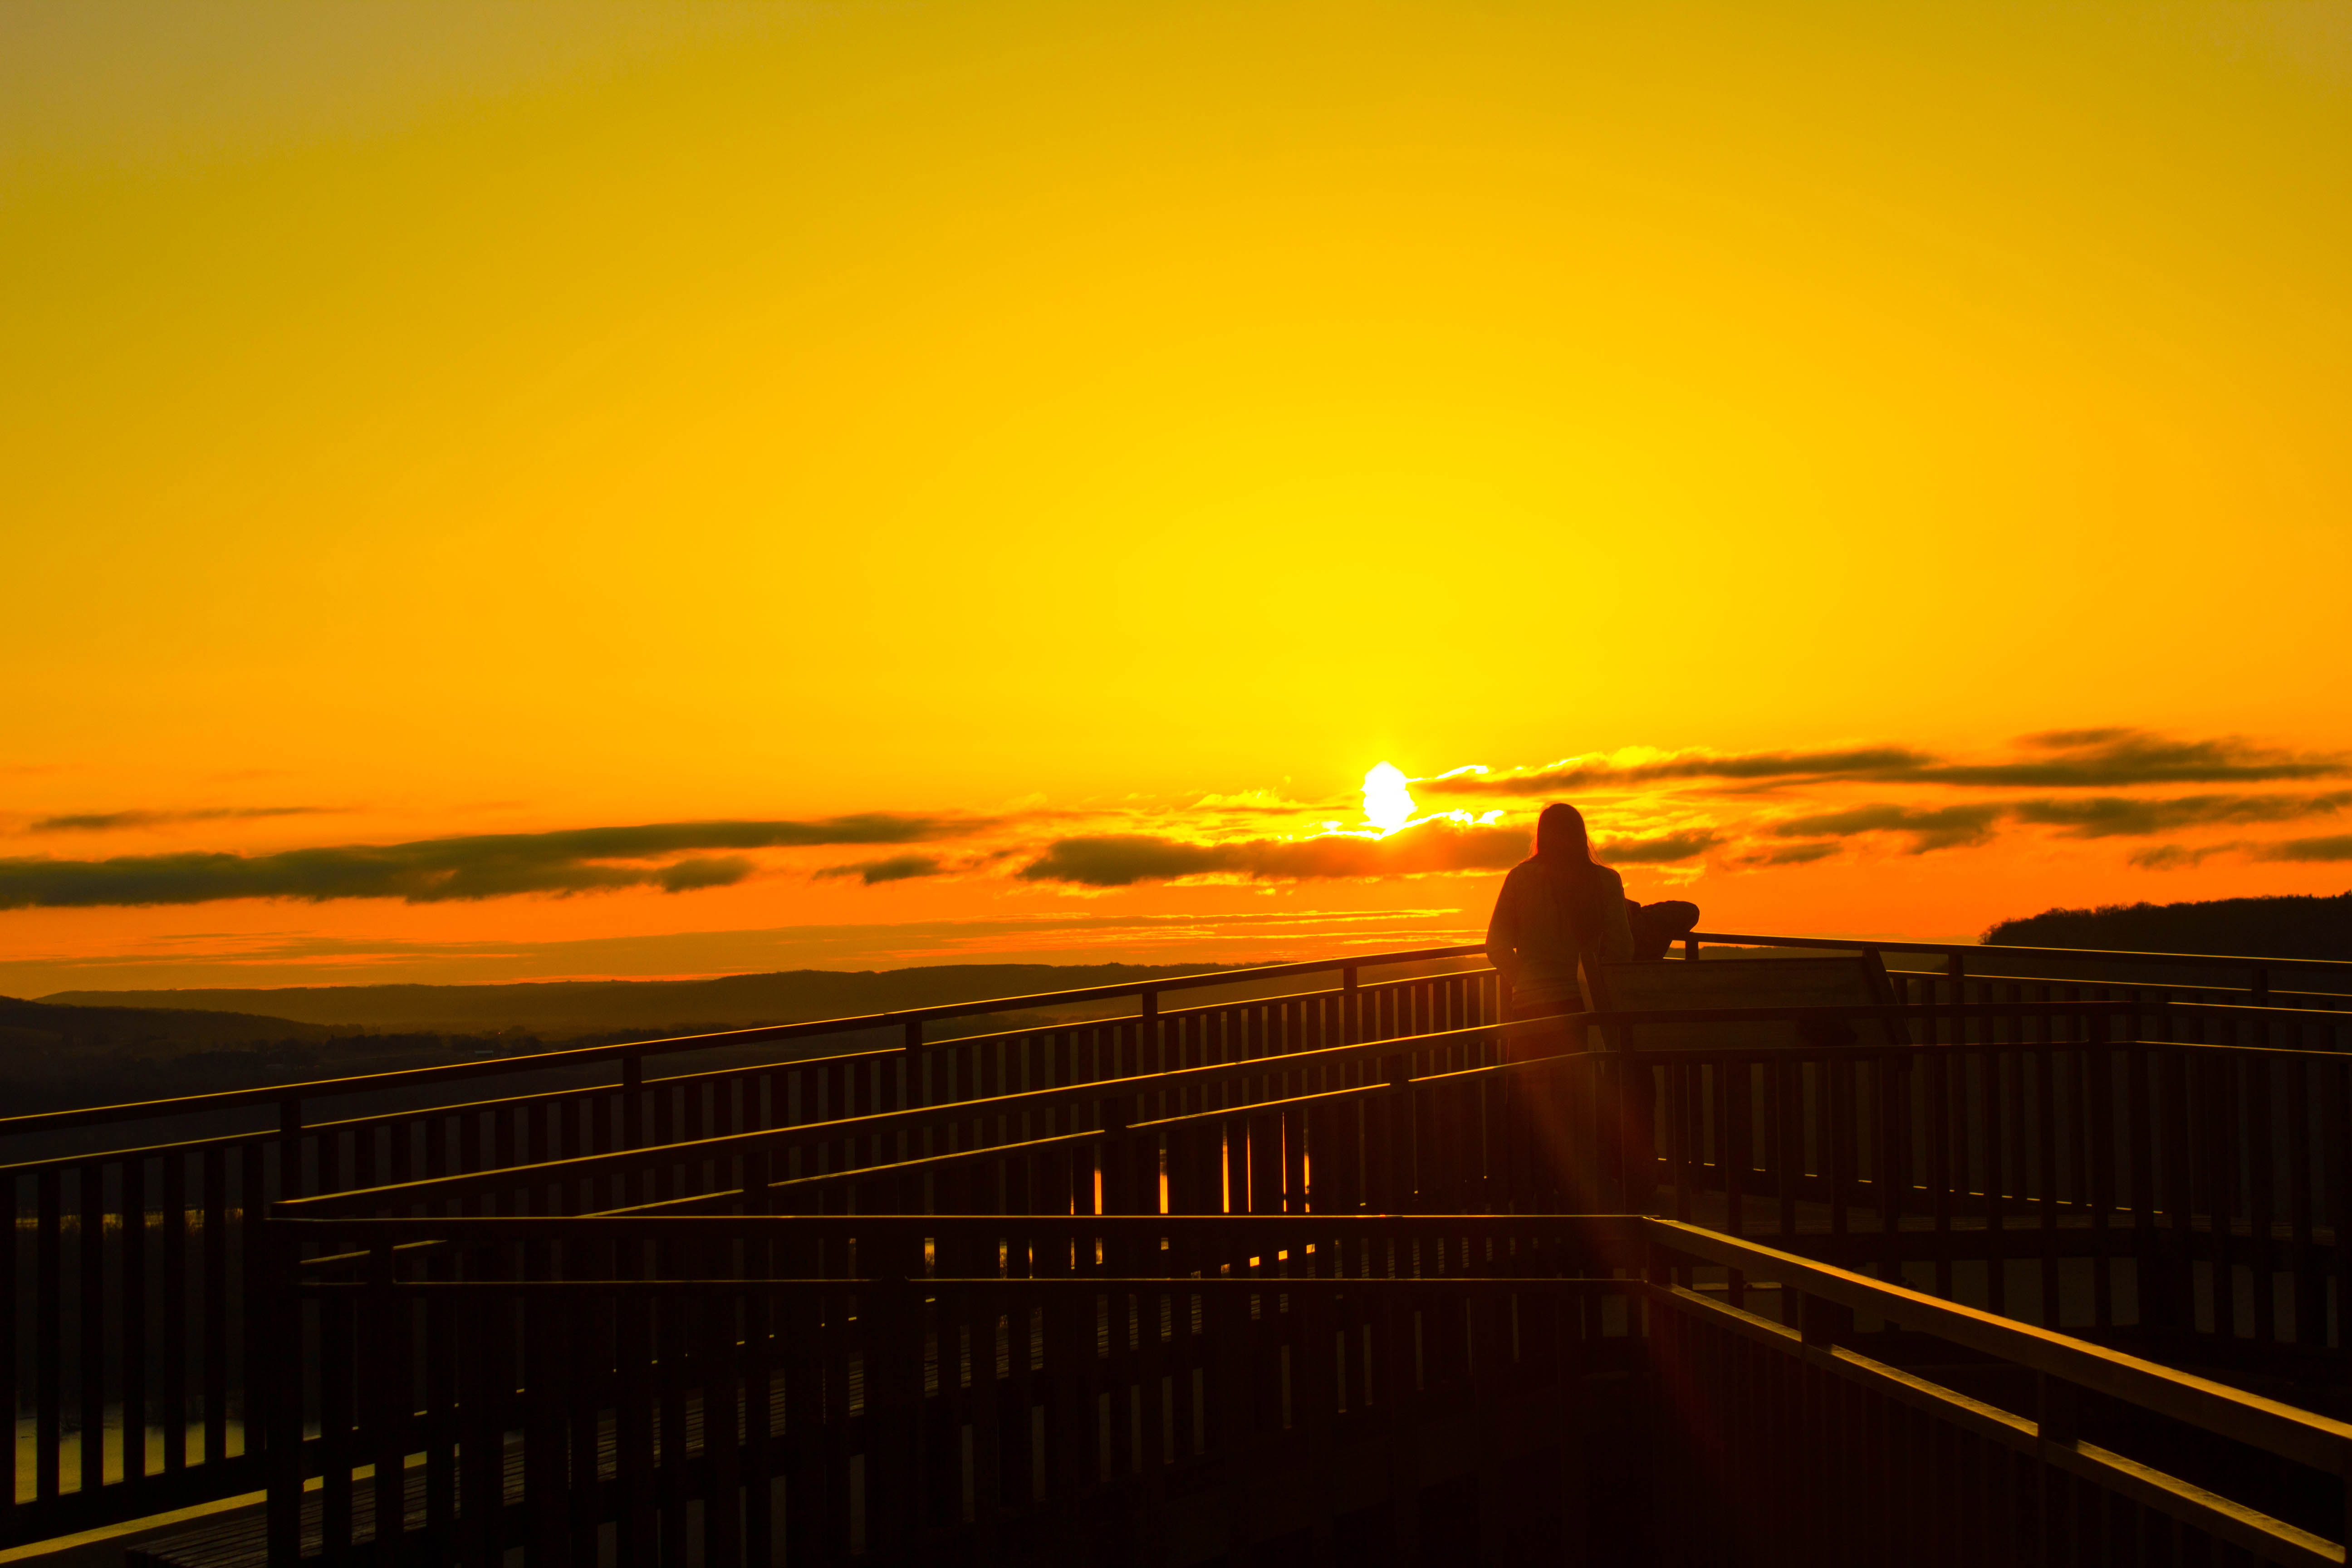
1560, 837
1564, 849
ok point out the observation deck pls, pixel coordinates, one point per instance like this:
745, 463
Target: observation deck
2007, 1255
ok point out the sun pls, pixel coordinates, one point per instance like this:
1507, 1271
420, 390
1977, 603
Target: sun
1388, 804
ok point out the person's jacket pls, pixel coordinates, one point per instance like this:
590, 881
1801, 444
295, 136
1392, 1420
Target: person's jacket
1551, 914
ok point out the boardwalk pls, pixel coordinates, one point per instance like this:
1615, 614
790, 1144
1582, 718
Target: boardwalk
1080, 1342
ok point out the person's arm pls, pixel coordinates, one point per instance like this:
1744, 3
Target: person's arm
1503, 936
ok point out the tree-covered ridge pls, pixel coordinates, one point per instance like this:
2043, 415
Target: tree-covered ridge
2290, 926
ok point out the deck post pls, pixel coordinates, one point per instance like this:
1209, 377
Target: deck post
282, 1394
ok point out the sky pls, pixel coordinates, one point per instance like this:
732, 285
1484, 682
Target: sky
494, 491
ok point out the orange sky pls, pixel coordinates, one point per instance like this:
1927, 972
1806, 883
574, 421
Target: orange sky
1015, 427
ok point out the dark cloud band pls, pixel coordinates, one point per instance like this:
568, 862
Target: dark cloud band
1119, 860
2058, 759
890, 868
2103, 759
1663, 849
2096, 816
1860, 762
2336, 847
1930, 828
433, 871
116, 821
2107, 817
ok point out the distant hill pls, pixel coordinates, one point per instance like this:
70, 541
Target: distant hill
558, 1009
131, 1026
2295, 926
54, 1056
100, 1047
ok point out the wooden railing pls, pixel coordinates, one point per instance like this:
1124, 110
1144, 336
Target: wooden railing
1268, 1105
126, 1295
1016, 1391
2146, 976
1946, 1435
1106, 1390
2042, 1162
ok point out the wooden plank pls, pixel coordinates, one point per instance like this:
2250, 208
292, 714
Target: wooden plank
387, 1400
216, 1298
2260, 1127
2217, 1113
131, 1339
336, 1455
12, 1280
2333, 1080
2099, 1099
1788, 1140
2139, 1121
2178, 1183
1939, 1066
1999, 1072
177, 1320
2047, 1118
90, 1257
1891, 1157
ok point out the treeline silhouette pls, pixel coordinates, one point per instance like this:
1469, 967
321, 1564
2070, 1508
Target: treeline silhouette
2288, 926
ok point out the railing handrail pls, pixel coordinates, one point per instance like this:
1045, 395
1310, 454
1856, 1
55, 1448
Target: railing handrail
499, 1066
2278, 1428
905, 1118
1888, 944
2301, 1435
1622, 1230
913, 1118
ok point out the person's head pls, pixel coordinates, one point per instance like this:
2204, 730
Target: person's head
1559, 835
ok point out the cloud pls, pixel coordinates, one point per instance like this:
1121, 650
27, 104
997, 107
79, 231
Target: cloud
2090, 759
2060, 759
2107, 817
113, 821
1795, 854
2336, 847
2098, 817
2176, 857
1639, 767
1931, 828
1119, 860
892, 868
704, 871
432, 871
1658, 850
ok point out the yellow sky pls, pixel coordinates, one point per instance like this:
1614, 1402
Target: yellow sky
502, 418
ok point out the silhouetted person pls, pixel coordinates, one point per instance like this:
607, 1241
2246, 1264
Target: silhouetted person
1560, 907
1557, 907
1657, 926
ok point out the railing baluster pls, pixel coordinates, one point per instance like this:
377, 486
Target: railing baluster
2099, 1098
2261, 1113
176, 1318
90, 1303
131, 1341
2048, 1122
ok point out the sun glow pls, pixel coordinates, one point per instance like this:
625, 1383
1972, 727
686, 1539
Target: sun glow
1387, 803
